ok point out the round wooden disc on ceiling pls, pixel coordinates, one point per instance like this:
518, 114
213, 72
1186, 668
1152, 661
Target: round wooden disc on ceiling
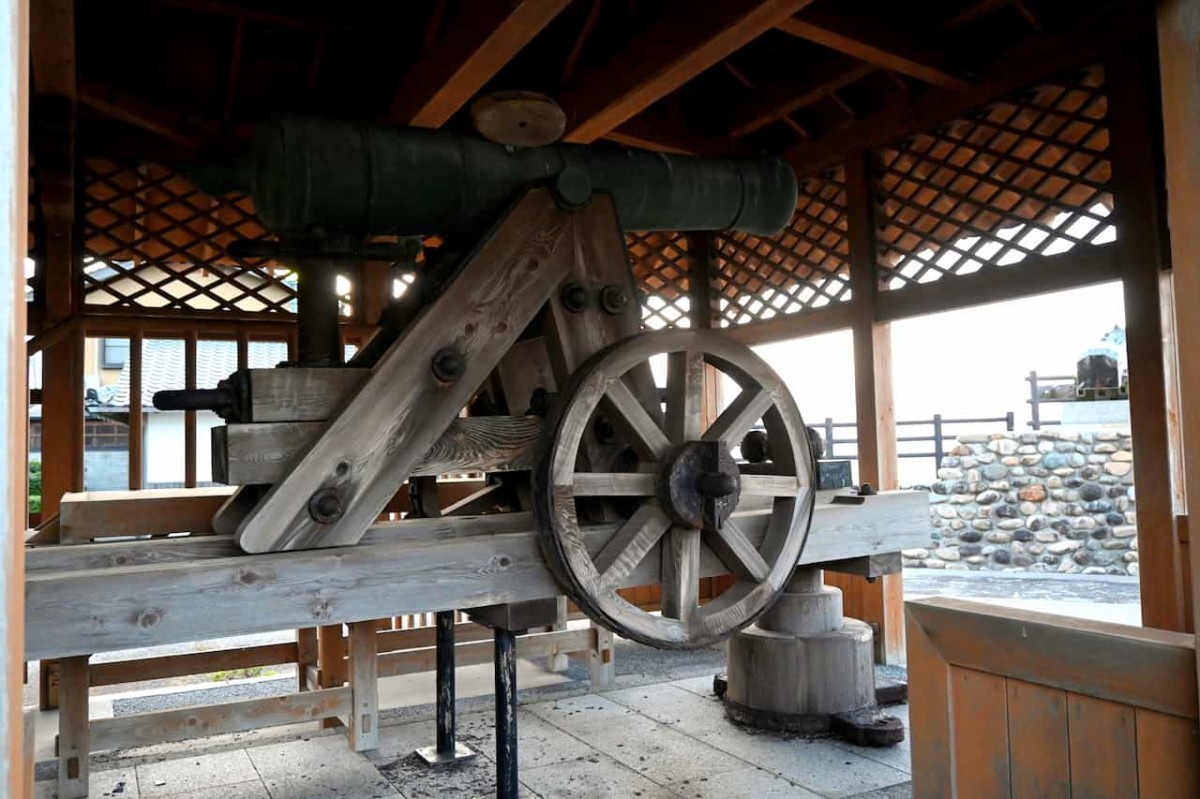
519, 119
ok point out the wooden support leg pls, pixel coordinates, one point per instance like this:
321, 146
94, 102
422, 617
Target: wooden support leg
604, 664
364, 686
561, 661
307, 655
73, 728
331, 670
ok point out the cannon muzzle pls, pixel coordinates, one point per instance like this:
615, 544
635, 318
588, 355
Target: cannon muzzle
311, 177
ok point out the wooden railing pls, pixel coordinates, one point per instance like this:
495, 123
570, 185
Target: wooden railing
1013, 703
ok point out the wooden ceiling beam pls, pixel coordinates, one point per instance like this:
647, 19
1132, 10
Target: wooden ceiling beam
479, 41
685, 39
668, 136
778, 99
868, 39
1023, 65
147, 116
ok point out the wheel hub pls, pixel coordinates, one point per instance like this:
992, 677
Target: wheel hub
699, 484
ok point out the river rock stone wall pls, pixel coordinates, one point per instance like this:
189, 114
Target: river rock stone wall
1043, 501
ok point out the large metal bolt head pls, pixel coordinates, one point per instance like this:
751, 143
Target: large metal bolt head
325, 506
448, 364
574, 297
613, 299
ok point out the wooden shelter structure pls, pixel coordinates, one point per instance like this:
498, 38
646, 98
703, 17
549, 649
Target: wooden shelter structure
948, 152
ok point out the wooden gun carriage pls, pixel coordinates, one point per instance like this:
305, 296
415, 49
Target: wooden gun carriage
519, 353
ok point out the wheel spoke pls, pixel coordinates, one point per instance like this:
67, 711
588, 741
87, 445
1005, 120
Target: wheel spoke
681, 573
685, 396
736, 420
630, 544
614, 484
737, 552
634, 423
770, 485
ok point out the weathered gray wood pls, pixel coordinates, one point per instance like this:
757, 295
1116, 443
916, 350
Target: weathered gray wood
364, 687
371, 446
145, 729
685, 396
524, 369
602, 661
631, 543
73, 728
441, 564
681, 574
301, 394
736, 420
614, 484
91, 514
737, 552
252, 454
470, 653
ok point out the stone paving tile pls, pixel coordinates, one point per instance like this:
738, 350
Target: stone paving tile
320, 768
238, 790
819, 765
114, 782
747, 782
701, 686
637, 741
902, 791
674, 706
194, 773
593, 777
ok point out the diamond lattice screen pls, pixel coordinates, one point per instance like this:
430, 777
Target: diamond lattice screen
661, 270
152, 240
1027, 176
803, 268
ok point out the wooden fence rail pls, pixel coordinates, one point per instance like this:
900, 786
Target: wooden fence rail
1012, 703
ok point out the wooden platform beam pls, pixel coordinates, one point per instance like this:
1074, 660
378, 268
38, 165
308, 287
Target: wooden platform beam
442, 564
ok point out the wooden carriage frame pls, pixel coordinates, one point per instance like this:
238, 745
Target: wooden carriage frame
61, 320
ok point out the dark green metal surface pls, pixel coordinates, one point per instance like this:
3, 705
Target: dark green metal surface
311, 177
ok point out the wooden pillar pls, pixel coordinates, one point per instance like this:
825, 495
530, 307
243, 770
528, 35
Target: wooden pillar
1179, 64
73, 730
306, 657
331, 663
1134, 116
604, 666
364, 686
15, 770
879, 602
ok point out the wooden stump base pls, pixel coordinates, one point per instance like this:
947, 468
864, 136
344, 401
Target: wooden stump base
804, 666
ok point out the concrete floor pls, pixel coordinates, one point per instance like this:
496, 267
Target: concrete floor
659, 733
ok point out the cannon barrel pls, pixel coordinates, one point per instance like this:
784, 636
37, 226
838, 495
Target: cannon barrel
318, 177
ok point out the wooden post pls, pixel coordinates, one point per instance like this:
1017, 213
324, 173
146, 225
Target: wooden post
604, 666
15, 771
1179, 62
306, 657
1137, 173
879, 602
331, 668
73, 744
364, 686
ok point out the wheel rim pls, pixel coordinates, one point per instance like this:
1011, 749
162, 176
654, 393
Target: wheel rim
682, 466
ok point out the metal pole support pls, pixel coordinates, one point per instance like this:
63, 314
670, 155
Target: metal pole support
447, 750
506, 714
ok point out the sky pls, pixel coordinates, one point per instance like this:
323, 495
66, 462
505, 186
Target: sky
966, 363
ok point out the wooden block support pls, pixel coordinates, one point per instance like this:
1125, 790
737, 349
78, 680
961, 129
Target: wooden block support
73, 730
331, 663
306, 655
603, 660
364, 687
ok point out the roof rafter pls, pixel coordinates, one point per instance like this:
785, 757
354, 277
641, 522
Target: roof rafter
778, 99
874, 42
1018, 68
480, 40
685, 39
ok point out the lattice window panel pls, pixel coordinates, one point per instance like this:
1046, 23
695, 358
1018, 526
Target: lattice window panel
803, 268
1026, 176
152, 240
661, 270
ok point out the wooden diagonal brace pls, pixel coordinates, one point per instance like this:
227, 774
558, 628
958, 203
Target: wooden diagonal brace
372, 445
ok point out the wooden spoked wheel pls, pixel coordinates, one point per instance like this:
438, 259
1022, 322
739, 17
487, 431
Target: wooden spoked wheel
665, 516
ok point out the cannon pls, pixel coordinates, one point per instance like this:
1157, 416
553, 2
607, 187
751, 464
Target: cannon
624, 476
